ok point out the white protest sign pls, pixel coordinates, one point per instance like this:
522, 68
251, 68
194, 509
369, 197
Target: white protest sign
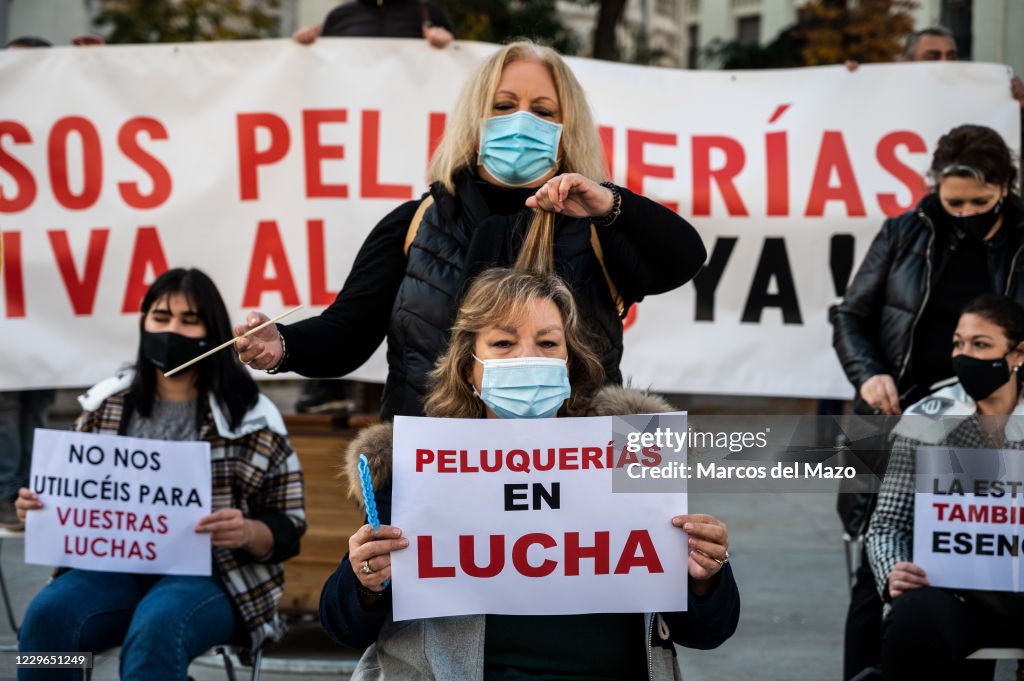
516, 518
267, 163
968, 517
119, 504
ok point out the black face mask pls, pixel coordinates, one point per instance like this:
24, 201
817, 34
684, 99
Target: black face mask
167, 349
978, 225
981, 377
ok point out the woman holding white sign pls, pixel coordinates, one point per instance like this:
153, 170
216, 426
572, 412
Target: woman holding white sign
929, 629
162, 622
526, 327
520, 135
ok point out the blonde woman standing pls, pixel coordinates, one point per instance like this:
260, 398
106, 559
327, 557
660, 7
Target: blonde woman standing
521, 136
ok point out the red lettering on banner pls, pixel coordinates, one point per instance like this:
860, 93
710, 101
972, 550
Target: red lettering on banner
703, 175
148, 255
425, 562
637, 168
520, 552
777, 175
885, 152
777, 165
319, 294
639, 540
369, 166
249, 159
574, 552
14, 279
92, 162
81, 289
607, 135
833, 156
317, 153
437, 123
467, 556
269, 248
26, 184
127, 140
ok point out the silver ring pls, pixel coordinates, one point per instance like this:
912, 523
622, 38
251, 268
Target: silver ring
723, 560
366, 569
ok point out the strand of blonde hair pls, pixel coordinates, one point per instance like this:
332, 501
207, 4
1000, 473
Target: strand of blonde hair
538, 251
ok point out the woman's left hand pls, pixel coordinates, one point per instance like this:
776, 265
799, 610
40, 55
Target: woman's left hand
228, 527
574, 195
708, 544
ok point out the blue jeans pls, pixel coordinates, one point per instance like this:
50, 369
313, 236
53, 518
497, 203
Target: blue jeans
161, 622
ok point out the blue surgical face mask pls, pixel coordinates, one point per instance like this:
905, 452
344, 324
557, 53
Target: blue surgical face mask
524, 387
520, 148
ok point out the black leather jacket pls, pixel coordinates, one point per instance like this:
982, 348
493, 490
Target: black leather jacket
873, 327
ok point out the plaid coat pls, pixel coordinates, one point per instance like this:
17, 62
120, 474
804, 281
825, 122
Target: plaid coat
253, 470
947, 417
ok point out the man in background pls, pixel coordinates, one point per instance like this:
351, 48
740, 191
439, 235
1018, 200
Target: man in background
383, 19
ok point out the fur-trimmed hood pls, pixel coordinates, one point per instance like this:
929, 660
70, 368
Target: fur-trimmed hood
375, 441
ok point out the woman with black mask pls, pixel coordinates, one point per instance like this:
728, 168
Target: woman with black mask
930, 630
965, 238
962, 240
162, 622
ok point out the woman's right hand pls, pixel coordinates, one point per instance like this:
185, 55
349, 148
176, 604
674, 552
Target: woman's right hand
879, 392
261, 350
904, 577
374, 551
25, 502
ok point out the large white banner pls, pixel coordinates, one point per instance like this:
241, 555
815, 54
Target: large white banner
119, 504
267, 163
503, 519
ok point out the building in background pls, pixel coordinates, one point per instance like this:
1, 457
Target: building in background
673, 33
677, 32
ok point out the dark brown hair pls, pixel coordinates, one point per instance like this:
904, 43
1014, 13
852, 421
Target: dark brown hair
977, 152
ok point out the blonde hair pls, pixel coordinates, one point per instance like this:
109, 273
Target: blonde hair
581, 150
495, 297
537, 254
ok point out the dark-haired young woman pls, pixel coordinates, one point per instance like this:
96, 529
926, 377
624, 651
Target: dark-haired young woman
965, 238
162, 622
930, 630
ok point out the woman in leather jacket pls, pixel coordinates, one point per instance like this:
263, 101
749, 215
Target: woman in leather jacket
962, 240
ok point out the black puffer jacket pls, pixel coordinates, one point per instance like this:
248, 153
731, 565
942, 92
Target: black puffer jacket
382, 19
456, 240
873, 328
411, 299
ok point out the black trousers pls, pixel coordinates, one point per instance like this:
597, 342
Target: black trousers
930, 630
862, 644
